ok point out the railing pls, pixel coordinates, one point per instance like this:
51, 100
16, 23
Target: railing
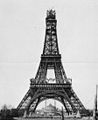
67, 85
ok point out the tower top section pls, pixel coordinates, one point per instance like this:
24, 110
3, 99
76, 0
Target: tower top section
51, 14
51, 43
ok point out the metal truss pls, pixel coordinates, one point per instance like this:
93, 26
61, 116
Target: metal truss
40, 89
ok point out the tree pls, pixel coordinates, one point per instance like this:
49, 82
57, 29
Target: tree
5, 113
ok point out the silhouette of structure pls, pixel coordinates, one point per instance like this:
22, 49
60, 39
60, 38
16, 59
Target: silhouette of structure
40, 87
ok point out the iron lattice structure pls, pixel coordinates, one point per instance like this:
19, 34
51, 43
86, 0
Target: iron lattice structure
40, 89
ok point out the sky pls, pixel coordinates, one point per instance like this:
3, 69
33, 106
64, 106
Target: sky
22, 35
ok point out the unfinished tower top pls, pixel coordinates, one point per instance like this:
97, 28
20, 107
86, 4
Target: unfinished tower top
51, 14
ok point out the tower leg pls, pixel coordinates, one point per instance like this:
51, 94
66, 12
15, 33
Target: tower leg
65, 106
36, 104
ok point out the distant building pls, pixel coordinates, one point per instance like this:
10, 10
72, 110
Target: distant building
49, 110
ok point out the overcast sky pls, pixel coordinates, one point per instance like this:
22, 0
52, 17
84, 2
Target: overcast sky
22, 33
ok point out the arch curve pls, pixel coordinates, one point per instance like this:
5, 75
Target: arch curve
46, 95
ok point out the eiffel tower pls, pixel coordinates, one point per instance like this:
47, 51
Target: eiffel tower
40, 87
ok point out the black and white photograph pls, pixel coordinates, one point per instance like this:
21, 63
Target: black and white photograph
48, 59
